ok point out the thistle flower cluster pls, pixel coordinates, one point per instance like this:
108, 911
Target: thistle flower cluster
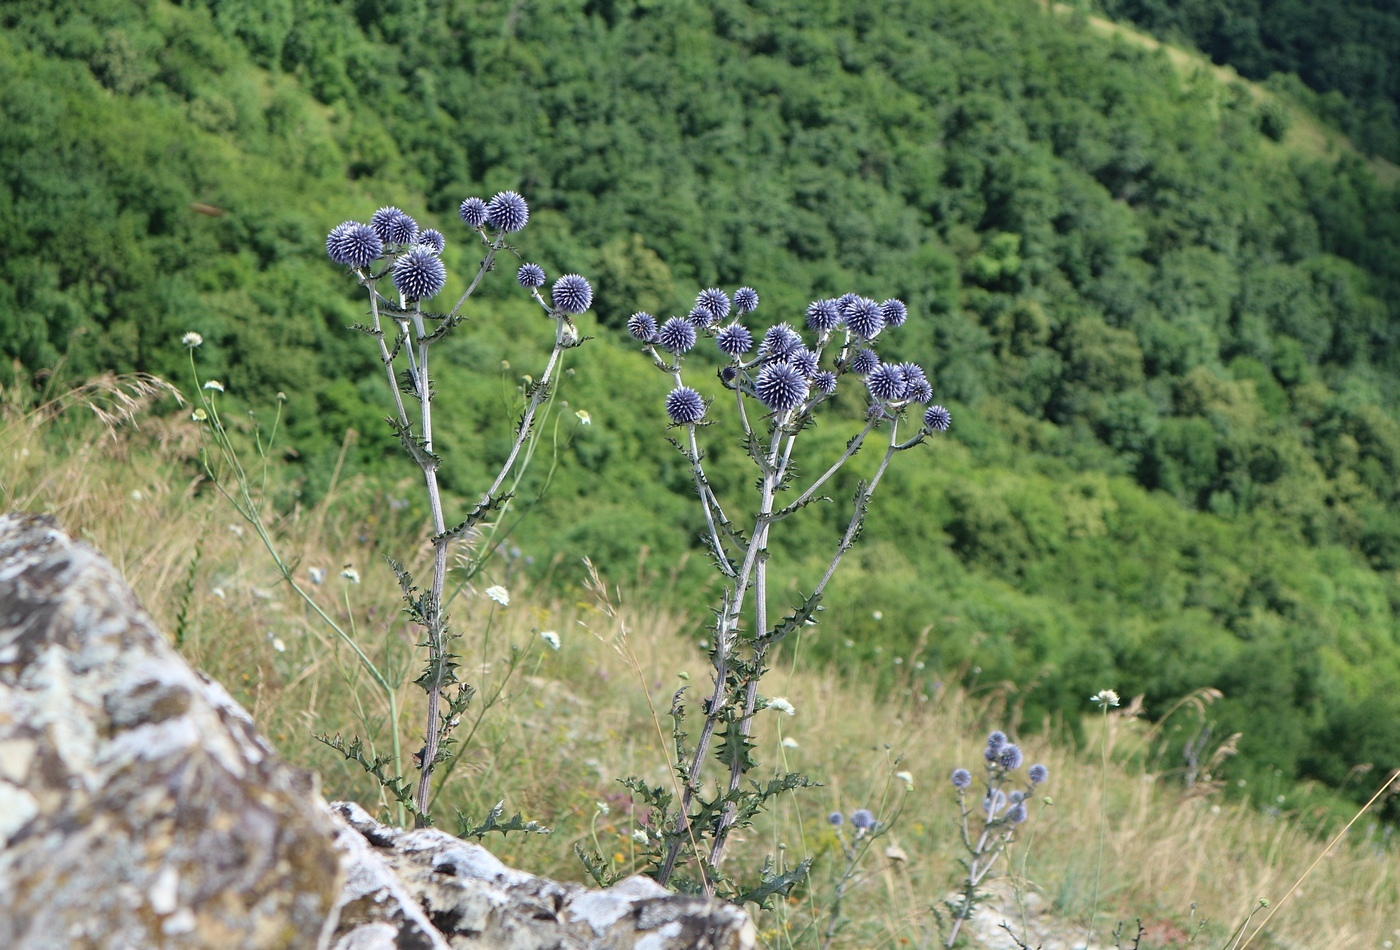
784, 371
393, 245
990, 815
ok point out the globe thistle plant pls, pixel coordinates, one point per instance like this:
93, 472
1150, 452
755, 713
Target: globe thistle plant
405, 334
989, 827
774, 393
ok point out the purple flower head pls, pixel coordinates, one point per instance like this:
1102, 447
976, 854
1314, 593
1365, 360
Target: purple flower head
995, 741
684, 405
530, 275
700, 318
862, 819
780, 341
780, 387
473, 212
354, 244
844, 301
937, 419
823, 316
572, 292
824, 382
383, 223
912, 372
734, 340
1017, 814
919, 391
745, 300
716, 302
894, 312
804, 360
1038, 774
333, 240
642, 326
835, 819
962, 778
676, 335
1009, 757
509, 212
433, 238
863, 318
419, 273
863, 362
885, 382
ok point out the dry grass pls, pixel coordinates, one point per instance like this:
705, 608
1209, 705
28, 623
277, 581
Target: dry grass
570, 723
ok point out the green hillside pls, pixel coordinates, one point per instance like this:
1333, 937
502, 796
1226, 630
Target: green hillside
1168, 344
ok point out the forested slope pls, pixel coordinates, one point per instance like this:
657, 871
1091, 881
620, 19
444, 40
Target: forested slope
1169, 344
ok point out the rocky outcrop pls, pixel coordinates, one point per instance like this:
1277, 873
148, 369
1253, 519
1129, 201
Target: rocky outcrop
139, 808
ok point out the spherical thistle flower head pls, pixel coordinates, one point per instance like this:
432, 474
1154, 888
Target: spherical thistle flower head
863, 362
937, 419
745, 300
401, 229
734, 340
419, 273
780, 341
863, 318
700, 318
473, 212
676, 335
433, 238
805, 361
1038, 774
919, 391
823, 316
572, 292
715, 301
530, 275
642, 326
994, 743
912, 372
894, 312
862, 819
835, 819
334, 238
1018, 813
684, 405
885, 382
780, 387
961, 778
824, 382
509, 212
1009, 757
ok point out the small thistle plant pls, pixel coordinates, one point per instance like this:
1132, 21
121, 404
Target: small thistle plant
401, 269
989, 824
779, 379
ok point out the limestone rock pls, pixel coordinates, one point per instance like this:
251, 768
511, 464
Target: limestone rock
139, 808
475, 901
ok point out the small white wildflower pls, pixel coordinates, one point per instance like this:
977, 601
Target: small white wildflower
583, 417
781, 704
551, 638
1104, 698
351, 575
789, 742
499, 594
218, 592
191, 339
214, 384
136, 494
276, 642
199, 415
602, 807
237, 530
906, 778
878, 614
318, 574
919, 665
639, 836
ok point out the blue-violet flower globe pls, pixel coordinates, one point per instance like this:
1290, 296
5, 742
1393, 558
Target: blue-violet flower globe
780, 387
419, 273
938, 419
745, 300
530, 275
824, 382
863, 819
823, 315
863, 362
433, 238
676, 335
885, 382
962, 778
1009, 757
684, 405
715, 301
1038, 774
780, 341
863, 318
642, 326
571, 293
734, 340
473, 212
509, 212
894, 312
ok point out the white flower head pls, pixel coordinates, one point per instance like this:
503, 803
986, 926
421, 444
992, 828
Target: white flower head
781, 704
191, 339
351, 575
550, 638
602, 807
789, 742
318, 574
199, 415
639, 836
905, 777
214, 384
584, 418
499, 594
1104, 698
